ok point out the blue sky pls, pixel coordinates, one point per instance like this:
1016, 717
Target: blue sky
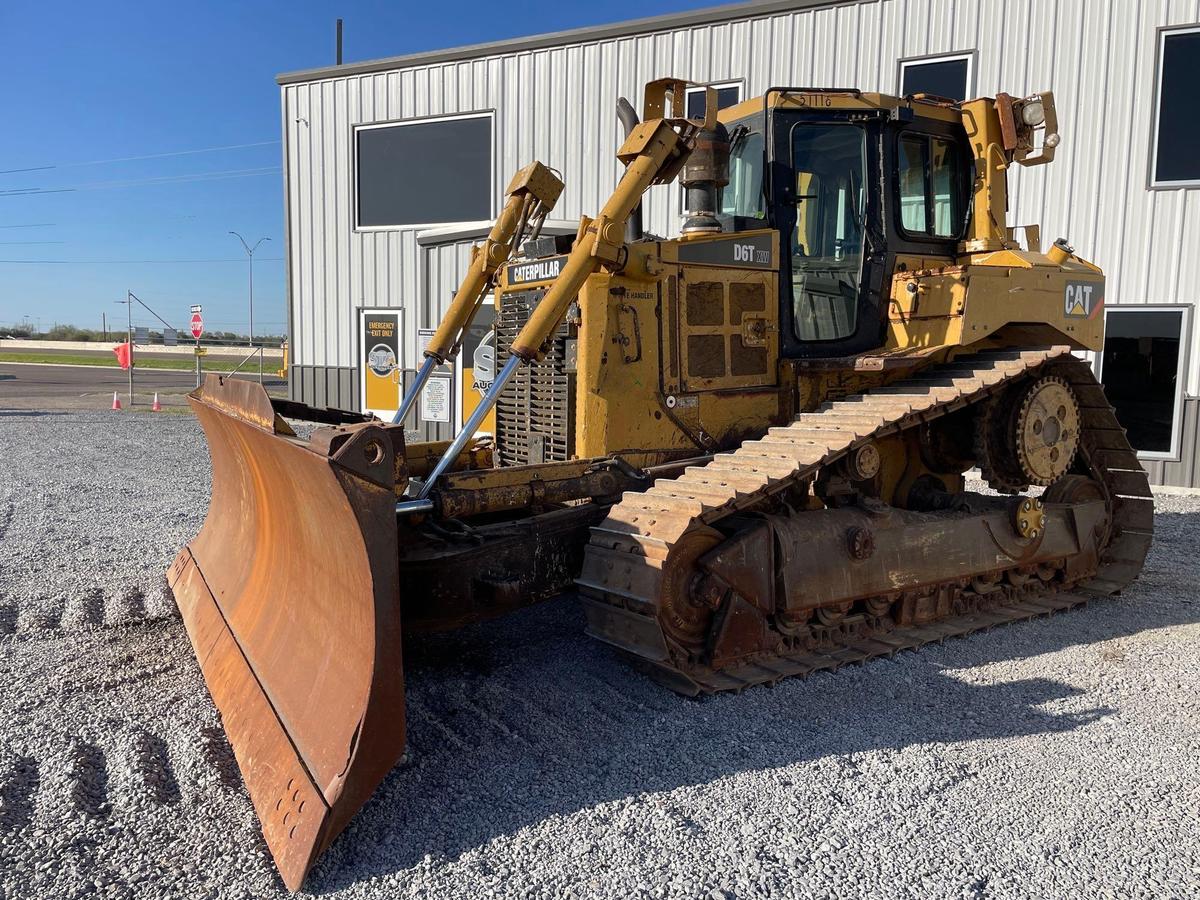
89, 83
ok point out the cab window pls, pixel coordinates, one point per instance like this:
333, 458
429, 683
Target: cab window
743, 196
931, 186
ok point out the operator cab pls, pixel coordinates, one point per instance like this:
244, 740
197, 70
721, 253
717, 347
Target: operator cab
803, 161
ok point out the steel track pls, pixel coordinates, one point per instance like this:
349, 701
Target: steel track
630, 551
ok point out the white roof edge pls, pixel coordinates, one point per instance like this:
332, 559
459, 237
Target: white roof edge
707, 15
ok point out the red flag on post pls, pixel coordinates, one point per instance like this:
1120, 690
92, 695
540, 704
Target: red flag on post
124, 354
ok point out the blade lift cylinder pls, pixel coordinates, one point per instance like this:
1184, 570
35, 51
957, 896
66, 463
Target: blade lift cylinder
653, 153
532, 194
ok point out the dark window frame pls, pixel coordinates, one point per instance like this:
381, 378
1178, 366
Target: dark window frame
1152, 182
739, 83
1174, 452
355, 129
969, 56
964, 179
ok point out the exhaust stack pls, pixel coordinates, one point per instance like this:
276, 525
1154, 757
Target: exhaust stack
704, 174
634, 230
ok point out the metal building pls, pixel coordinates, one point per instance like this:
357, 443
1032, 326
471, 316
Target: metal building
1124, 189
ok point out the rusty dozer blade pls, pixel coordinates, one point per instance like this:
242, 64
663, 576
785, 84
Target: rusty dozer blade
290, 598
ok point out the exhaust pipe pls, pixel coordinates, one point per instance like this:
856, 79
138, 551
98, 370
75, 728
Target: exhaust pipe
629, 120
704, 174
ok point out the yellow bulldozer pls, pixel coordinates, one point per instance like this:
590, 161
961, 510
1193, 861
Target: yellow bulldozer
743, 448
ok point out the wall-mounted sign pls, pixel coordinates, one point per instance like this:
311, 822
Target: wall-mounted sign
435, 400
379, 361
475, 367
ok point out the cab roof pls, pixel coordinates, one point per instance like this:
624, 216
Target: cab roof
922, 105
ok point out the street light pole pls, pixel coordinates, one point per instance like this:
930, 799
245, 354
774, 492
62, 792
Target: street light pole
250, 257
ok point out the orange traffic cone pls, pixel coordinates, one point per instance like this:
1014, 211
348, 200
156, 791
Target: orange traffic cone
116, 401
157, 407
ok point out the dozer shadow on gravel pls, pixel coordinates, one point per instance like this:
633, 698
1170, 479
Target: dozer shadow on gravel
744, 447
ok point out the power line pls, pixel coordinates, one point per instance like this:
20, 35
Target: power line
27, 243
117, 159
139, 182
33, 225
25, 192
123, 262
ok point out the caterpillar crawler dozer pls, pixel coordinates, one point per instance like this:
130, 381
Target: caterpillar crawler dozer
743, 447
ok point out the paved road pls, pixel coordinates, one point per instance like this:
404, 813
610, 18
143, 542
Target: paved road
24, 386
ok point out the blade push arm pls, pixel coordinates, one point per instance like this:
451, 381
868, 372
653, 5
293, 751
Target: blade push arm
531, 195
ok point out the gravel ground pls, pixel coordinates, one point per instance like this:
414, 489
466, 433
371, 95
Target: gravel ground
1057, 758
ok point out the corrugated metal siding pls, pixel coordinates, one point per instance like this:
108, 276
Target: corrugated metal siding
444, 266
557, 105
324, 386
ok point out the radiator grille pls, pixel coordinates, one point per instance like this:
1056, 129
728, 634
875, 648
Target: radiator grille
535, 413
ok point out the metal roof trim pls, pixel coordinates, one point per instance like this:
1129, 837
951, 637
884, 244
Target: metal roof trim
458, 232
708, 15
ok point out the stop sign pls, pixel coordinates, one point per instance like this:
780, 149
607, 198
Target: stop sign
197, 325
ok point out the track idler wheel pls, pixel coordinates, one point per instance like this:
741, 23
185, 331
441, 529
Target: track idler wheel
689, 597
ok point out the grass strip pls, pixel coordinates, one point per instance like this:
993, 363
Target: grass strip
185, 364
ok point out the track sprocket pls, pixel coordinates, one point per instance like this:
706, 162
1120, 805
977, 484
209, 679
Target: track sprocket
1047, 430
1028, 434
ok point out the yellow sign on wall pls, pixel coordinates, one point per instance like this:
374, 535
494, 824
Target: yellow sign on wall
379, 361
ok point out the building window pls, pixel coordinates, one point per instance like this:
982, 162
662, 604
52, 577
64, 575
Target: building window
424, 172
931, 186
1142, 371
1177, 112
950, 76
727, 95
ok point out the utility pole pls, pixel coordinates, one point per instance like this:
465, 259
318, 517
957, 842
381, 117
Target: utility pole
128, 301
104, 325
250, 256
129, 337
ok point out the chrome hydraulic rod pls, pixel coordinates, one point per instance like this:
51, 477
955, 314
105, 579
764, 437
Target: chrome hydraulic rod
408, 507
471, 425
